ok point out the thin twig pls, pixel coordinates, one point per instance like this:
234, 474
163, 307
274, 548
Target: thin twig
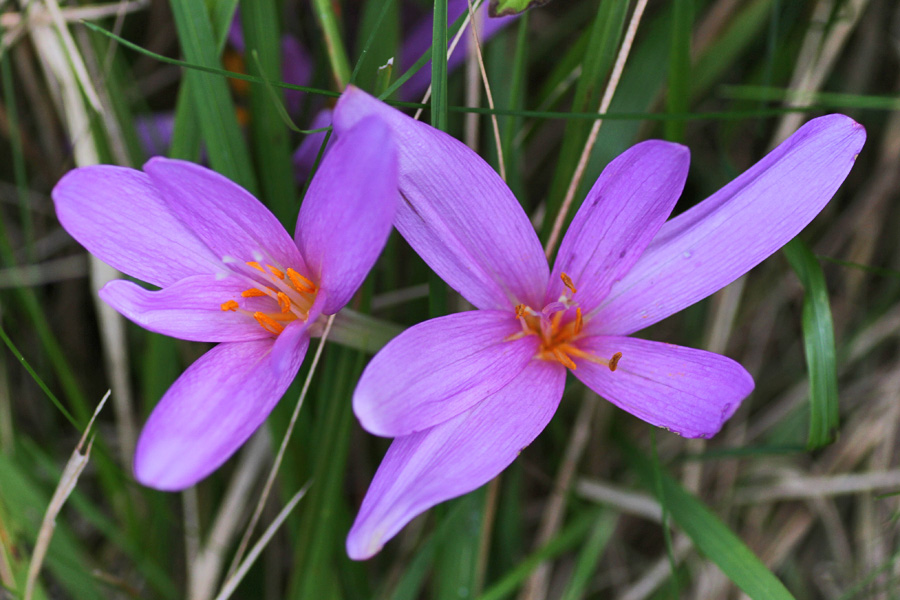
487, 92
608, 94
233, 581
270, 480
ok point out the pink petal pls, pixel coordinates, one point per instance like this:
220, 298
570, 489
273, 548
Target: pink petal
438, 369
119, 215
224, 215
191, 309
457, 213
628, 204
306, 154
689, 392
455, 457
347, 213
214, 407
729, 233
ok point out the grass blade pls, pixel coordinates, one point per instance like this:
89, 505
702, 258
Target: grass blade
818, 344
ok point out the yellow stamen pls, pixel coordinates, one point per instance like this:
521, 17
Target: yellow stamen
301, 283
567, 281
230, 305
614, 361
256, 266
284, 302
253, 293
268, 323
579, 321
520, 311
276, 272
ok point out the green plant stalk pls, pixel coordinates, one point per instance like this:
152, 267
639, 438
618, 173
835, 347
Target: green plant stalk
334, 45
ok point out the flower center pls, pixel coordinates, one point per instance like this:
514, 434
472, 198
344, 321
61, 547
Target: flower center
558, 326
286, 296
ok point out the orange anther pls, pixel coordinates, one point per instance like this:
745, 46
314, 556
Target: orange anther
562, 358
268, 323
520, 310
276, 272
284, 302
230, 305
301, 283
567, 281
579, 321
614, 361
256, 266
253, 293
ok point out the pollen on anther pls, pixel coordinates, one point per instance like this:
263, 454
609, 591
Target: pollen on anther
567, 281
301, 283
276, 272
253, 293
614, 361
230, 305
256, 266
284, 302
520, 311
268, 323
579, 321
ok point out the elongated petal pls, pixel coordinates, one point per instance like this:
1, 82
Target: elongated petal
729, 233
190, 309
628, 204
212, 409
457, 213
689, 392
438, 369
347, 213
119, 215
224, 215
456, 457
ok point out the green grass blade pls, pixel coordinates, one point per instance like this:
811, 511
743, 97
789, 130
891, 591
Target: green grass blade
589, 557
213, 105
678, 95
334, 44
439, 66
259, 19
818, 344
711, 536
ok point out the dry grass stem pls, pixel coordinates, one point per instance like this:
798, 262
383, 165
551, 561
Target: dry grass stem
273, 472
495, 125
608, 94
623, 500
76, 464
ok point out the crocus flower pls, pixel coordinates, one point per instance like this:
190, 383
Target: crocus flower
229, 273
465, 393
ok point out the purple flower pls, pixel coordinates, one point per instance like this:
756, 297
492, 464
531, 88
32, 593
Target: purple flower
463, 394
229, 273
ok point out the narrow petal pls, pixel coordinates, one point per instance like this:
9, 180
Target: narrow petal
190, 309
729, 233
457, 213
456, 457
628, 204
119, 215
224, 215
347, 213
438, 369
689, 392
211, 410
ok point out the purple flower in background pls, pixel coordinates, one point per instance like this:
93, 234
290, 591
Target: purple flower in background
229, 273
463, 394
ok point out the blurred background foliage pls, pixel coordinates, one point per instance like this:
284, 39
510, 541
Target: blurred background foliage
800, 485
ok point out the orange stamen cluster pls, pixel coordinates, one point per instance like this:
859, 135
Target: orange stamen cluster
558, 335
293, 294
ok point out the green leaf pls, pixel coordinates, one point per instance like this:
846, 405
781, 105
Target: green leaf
710, 535
505, 8
212, 101
678, 95
818, 344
